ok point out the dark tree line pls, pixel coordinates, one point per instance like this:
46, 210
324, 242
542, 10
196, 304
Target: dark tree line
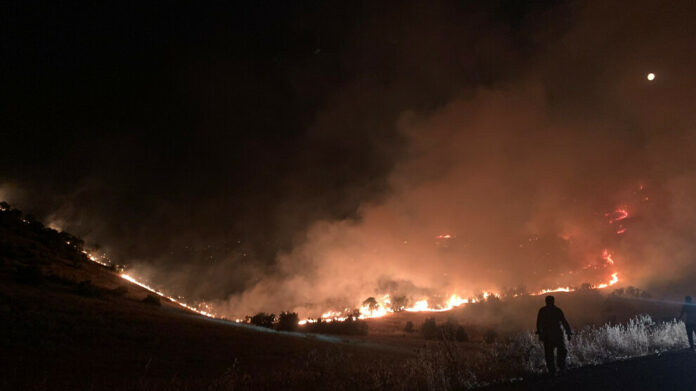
289, 321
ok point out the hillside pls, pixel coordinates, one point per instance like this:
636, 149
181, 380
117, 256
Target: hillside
73, 324
62, 333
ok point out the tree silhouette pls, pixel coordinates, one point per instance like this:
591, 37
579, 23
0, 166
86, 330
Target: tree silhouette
287, 321
371, 304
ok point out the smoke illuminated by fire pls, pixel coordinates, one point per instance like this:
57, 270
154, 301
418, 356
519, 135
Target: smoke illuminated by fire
382, 307
606, 255
454, 301
471, 217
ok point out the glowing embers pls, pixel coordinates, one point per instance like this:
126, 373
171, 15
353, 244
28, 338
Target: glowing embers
173, 300
105, 262
607, 257
560, 289
616, 216
453, 301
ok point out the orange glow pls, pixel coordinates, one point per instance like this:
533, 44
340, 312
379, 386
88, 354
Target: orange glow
173, 300
606, 256
383, 306
622, 214
131, 279
560, 289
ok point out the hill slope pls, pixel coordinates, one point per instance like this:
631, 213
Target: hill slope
60, 332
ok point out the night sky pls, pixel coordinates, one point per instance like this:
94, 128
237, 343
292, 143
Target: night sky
221, 149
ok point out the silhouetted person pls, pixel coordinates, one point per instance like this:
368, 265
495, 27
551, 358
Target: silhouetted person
549, 323
689, 310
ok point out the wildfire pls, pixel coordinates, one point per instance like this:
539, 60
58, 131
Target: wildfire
105, 262
559, 289
173, 300
618, 215
382, 307
376, 308
606, 255
453, 302
614, 280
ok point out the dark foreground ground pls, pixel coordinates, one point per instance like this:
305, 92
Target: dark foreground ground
54, 339
671, 371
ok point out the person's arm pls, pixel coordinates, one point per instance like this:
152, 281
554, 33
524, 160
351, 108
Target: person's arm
540, 330
566, 326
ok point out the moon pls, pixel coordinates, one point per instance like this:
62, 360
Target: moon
651, 76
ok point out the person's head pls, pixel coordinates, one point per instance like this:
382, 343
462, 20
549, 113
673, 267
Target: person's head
687, 299
549, 300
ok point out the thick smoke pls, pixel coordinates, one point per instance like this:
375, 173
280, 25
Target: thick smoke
526, 179
319, 163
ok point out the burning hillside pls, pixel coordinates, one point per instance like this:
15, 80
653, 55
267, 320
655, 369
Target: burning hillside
474, 213
459, 156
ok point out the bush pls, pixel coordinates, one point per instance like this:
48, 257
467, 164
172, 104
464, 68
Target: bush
152, 299
263, 320
87, 289
429, 329
398, 303
461, 335
602, 344
287, 321
347, 327
409, 327
116, 268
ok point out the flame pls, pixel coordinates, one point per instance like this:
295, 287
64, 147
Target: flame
106, 262
383, 306
173, 300
614, 280
607, 257
622, 214
559, 289
618, 215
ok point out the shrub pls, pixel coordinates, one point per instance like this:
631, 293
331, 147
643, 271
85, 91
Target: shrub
287, 321
347, 327
429, 329
152, 299
263, 320
409, 327
398, 303
461, 335
601, 344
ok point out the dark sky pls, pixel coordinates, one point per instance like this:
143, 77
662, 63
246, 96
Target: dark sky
199, 142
